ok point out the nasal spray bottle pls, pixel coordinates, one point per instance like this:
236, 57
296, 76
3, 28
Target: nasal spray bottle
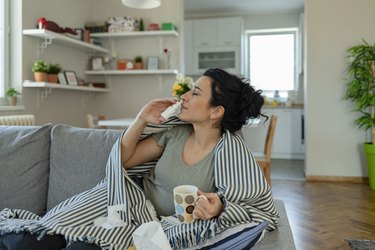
173, 110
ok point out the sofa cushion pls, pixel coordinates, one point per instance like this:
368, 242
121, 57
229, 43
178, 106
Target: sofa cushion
24, 164
78, 160
282, 237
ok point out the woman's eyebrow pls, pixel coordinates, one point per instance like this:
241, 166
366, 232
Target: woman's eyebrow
196, 87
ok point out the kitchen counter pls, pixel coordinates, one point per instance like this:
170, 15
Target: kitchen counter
294, 106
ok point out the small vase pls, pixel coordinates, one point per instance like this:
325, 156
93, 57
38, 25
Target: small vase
12, 100
138, 65
52, 78
40, 76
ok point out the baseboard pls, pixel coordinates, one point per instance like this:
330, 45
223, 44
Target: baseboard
349, 179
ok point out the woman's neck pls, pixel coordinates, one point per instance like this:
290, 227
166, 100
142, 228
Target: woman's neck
203, 137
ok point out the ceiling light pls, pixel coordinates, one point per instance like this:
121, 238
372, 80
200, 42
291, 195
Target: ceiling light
141, 4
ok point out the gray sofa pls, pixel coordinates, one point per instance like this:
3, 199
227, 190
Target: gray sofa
44, 165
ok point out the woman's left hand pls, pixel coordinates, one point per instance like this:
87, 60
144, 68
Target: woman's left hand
207, 209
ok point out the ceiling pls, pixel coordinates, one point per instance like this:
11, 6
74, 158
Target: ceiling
243, 7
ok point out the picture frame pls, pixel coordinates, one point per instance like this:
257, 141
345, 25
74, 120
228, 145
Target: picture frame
62, 79
97, 63
152, 62
71, 78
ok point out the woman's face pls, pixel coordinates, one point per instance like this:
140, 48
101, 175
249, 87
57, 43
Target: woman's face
196, 103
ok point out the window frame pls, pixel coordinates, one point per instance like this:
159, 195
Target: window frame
4, 83
254, 32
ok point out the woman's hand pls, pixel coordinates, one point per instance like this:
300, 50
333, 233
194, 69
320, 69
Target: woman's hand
150, 113
207, 209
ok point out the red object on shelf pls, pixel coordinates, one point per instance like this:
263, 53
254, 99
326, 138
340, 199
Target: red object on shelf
42, 23
153, 26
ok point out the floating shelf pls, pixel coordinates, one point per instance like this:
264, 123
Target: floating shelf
45, 88
28, 84
50, 36
133, 72
136, 33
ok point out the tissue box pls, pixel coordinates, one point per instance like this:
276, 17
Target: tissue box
168, 26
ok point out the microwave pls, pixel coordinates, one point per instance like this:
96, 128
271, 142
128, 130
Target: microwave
227, 58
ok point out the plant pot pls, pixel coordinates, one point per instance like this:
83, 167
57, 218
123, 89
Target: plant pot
40, 76
370, 155
139, 65
12, 100
52, 78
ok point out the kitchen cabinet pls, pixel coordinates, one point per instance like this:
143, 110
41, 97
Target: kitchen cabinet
216, 42
188, 47
288, 142
217, 32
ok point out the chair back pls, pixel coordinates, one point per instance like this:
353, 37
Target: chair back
269, 138
92, 120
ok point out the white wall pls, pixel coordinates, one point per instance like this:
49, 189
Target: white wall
128, 93
333, 143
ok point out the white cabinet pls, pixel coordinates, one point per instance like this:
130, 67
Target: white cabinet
217, 32
188, 47
229, 31
204, 32
288, 142
216, 42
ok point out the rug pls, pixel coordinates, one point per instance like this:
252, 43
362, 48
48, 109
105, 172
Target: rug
357, 244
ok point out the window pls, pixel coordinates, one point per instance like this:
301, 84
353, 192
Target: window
4, 36
271, 62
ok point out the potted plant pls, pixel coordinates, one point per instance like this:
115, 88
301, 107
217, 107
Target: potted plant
52, 71
12, 93
40, 69
138, 62
361, 92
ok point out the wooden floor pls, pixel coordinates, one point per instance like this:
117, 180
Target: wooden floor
322, 215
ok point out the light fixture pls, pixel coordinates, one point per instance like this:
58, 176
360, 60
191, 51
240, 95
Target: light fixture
141, 4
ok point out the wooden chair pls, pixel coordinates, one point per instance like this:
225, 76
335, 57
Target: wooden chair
92, 120
264, 162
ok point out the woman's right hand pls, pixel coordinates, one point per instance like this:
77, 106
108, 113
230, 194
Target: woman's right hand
150, 113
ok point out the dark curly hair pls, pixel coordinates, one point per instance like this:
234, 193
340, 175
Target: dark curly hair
239, 99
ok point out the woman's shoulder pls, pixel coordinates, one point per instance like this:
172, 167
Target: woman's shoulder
180, 130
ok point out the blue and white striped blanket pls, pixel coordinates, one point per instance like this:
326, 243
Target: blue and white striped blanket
238, 179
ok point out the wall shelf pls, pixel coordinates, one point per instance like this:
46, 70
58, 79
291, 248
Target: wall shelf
136, 33
48, 37
45, 88
28, 84
133, 72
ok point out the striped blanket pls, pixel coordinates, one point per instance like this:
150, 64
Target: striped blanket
239, 181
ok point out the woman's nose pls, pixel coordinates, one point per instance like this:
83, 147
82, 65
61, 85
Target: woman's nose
185, 96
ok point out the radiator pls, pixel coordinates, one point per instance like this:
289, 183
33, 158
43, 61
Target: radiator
17, 120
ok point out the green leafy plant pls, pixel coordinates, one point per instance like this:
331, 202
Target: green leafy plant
12, 92
138, 59
40, 66
53, 68
361, 85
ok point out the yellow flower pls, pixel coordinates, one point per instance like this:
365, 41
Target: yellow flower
182, 85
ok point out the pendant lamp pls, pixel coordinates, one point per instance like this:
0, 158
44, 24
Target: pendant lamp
141, 4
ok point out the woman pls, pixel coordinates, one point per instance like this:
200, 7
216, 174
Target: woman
203, 151
218, 102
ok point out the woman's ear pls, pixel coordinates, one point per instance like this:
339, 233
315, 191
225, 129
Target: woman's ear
217, 112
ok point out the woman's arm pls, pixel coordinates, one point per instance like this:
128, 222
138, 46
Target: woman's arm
134, 151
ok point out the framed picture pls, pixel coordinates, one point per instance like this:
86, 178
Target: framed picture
97, 63
71, 78
62, 79
153, 62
